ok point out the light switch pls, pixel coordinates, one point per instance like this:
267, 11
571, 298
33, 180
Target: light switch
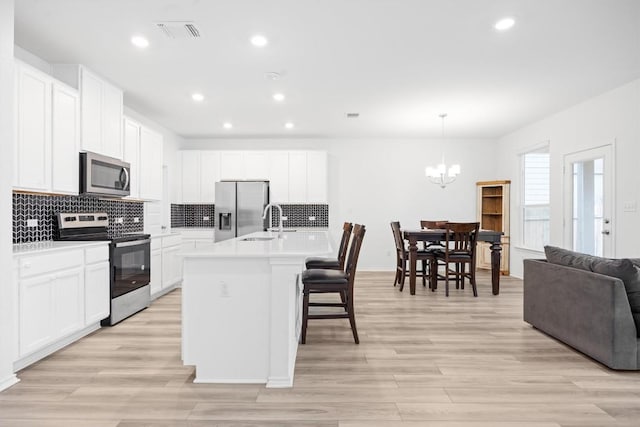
32, 223
312, 218
284, 218
136, 219
205, 218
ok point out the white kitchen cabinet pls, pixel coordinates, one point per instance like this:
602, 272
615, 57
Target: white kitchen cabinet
101, 109
59, 298
35, 314
65, 140
131, 154
232, 165
47, 133
256, 165
97, 297
279, 176
209, 175
191, 177
50, 307
297, 177
171, 266
316, 177
32, 149
150, 161
156, 265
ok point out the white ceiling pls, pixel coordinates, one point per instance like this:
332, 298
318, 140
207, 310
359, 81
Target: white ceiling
399, 63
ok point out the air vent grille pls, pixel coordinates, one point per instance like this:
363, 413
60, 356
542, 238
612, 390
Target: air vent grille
353, 115
179, 29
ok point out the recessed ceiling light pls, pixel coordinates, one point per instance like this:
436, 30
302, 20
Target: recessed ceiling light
227, 125
504, 24
198, 97
259, 40
139, 41
278, 96
288, 125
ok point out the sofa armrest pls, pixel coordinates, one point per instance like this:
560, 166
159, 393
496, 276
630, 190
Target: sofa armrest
586, 310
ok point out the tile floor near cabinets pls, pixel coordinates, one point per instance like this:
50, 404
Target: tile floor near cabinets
424, 360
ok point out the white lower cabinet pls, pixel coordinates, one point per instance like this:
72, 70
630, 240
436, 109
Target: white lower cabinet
97, 298
59, 298
166, 263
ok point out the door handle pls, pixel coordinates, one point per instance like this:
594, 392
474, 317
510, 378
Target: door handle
606, 232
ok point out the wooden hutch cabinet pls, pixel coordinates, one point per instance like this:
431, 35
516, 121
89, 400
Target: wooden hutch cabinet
493, 214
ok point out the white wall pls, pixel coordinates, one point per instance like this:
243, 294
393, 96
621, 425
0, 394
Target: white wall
7, 321
377, 181
611, 117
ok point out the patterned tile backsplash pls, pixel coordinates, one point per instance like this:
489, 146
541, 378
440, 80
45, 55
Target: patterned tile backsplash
44, 207
201, 216
298, 215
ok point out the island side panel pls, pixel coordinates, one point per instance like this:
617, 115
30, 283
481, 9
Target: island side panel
286, 312
226, 318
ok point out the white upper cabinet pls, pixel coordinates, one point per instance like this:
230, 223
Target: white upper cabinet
33, 129
101, 109
47, 133
209, 175
232, 165
256, 165
297, 177
279, 176
294, 176
317, 177
190, 176
131, 154
142, 149
150, 161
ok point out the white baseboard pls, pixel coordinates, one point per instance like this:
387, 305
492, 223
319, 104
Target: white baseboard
8, 382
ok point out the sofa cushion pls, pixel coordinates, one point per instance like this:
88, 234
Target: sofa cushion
627, 270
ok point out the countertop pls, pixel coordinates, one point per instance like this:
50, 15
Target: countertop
300, 243
52, 245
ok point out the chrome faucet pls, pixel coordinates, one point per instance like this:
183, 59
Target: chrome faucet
264, 216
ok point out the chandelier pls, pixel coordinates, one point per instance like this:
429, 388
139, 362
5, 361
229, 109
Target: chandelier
440, 174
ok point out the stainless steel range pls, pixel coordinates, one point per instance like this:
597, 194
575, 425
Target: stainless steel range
129, 256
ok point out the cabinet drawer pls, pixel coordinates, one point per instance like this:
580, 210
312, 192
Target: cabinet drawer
42, 264
98, 254
171, 241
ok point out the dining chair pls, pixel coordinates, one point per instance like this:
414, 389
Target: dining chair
325, 281
333, 263
459, 251
402, 258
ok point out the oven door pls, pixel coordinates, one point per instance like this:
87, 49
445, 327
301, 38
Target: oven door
130, 266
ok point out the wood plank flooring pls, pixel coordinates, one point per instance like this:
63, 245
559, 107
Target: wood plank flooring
424, 360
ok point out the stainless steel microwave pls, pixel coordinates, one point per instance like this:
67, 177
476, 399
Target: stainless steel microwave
104, 176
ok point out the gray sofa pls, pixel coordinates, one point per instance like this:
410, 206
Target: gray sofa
585, 309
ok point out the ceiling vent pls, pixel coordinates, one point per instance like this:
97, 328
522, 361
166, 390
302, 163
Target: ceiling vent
179, 29
353, 115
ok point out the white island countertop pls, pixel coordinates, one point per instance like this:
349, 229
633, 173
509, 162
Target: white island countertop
268, 244
241, 306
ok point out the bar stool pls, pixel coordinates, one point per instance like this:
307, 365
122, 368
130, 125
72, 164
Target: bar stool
333, 263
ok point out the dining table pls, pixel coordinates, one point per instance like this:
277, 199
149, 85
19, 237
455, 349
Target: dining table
439, 235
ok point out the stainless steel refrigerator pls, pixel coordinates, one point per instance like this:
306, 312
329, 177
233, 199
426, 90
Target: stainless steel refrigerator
239, 206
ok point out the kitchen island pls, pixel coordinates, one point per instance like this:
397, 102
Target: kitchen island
241, 306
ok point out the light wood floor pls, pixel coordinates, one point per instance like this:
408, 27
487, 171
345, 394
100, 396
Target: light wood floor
424, 360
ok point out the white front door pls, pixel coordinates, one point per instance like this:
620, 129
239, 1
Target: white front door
588, 201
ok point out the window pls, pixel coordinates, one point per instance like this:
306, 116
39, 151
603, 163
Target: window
535, 198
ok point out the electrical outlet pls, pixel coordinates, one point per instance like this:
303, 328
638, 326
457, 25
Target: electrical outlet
136, 219
119, 220
205, 218
32, 223
312, 218
284, 218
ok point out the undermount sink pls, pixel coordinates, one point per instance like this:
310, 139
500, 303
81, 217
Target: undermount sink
257, 239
